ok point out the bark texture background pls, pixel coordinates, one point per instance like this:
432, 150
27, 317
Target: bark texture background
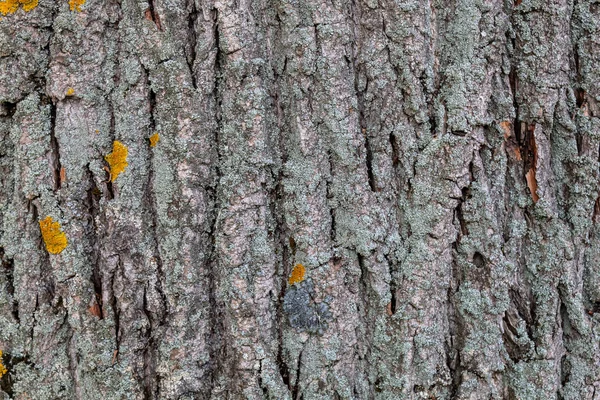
432, 163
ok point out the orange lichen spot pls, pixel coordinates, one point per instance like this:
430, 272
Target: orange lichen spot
54, 238
297, 274
117, 159
75, 5
3, 369
9, 6
154, 139
70, 91
29, 5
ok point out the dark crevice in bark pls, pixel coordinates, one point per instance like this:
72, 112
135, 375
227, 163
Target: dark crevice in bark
286, 261
54, 149
73, 358
8, 268
362, 123
152, 15
283, 235
110, 194
151, 378
395, 150
7, 109
152, 205
192, 39
284, 370
330, 195
393, 286
151, 101
115, 308
260, 381
216, 348
159, 263
93, 206
363, 285
529, 155
596, 213
514, 86
458, 214
296, 388
369, 160
34, 320
579, 98
455, 342
456, 371
149, 381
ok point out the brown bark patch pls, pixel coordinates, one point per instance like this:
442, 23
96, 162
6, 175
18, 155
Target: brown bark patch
506, 128
529, 153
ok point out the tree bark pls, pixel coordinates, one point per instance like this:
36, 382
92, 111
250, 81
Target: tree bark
433, 165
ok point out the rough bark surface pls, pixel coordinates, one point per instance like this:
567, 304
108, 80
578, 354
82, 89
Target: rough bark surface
432, 163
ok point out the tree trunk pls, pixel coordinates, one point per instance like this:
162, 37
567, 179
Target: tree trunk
299, 199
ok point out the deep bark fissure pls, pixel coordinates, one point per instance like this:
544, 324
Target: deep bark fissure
115, 308
215, 344
296, 388
110, 194
265, 390
151, 14
192, 40
149, 376
72, 356
93, 206
54, 149
8, 267
330, 195
392, 269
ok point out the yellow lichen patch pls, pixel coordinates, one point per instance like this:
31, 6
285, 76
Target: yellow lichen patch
54, 238
70, 91
29, 5
11, 6
75, 5
154, 139
117, 159
3, 369
297, 274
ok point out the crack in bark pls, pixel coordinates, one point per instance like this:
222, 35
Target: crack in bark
296, 388
73, 359
214, 340
149, 381
192, 38
93, 200
152, 15
331, 195
115, 309
110, 194
8, 266
54, 149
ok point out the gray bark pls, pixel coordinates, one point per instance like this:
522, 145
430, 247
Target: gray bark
433, 165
